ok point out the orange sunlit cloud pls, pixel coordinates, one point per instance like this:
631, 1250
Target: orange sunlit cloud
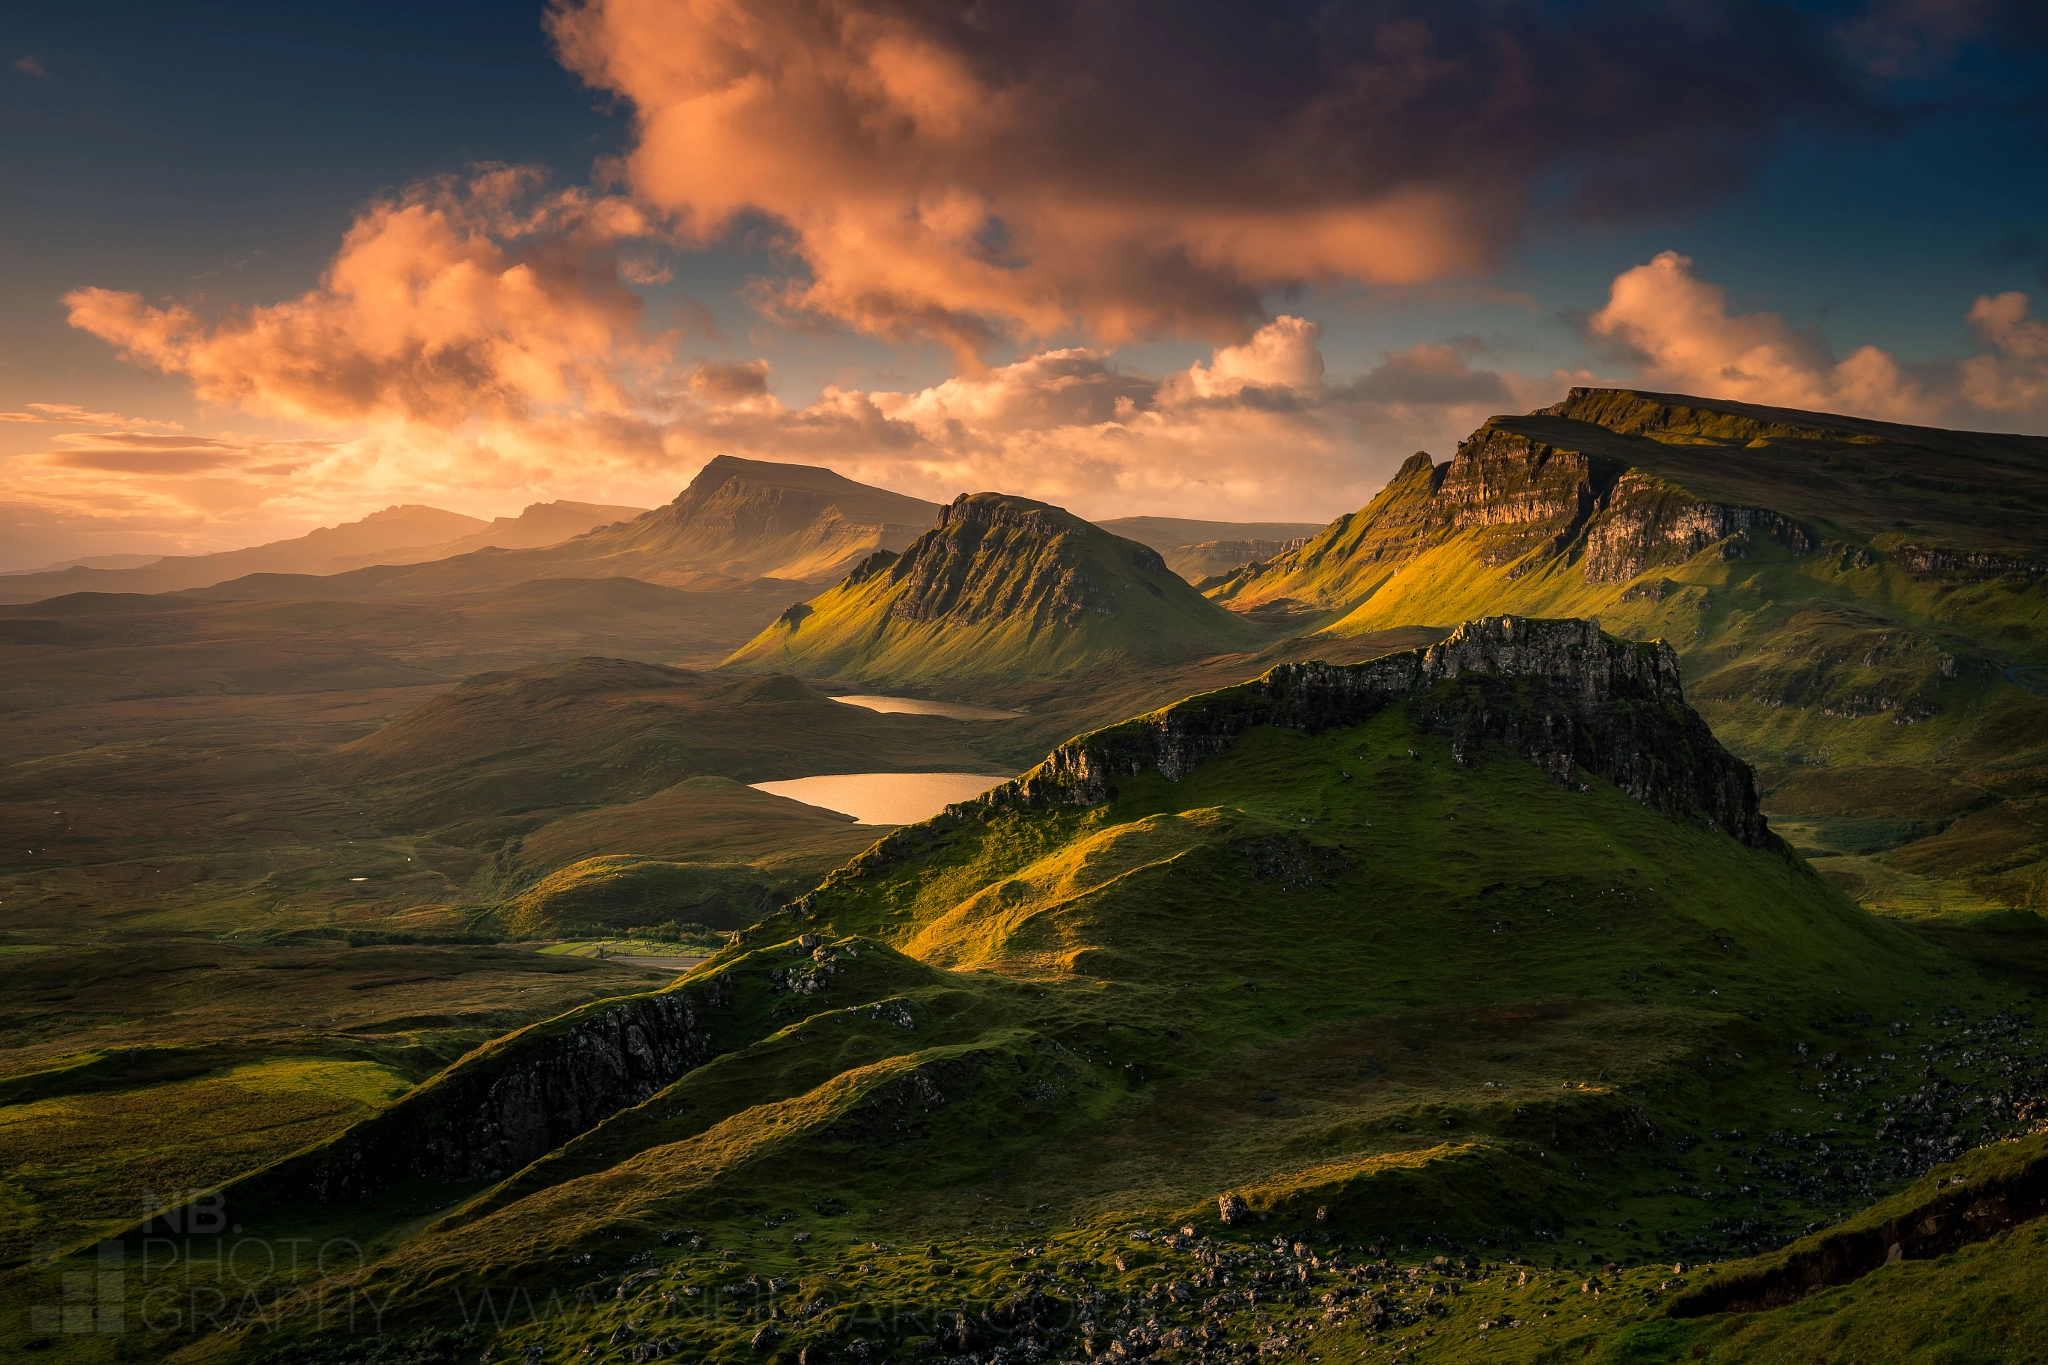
1684, 338
70, 414
457, 299
970, 173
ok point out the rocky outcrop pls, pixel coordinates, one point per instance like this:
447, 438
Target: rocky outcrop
1647, 523
501, 1108
1933, 1228
1560, 693
1526, 492
1927, 561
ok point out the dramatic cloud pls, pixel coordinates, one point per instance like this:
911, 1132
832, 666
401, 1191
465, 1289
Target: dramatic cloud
456, 300
1254, 430
1127, 167
1679, 331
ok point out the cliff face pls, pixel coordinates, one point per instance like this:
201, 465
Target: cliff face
1530, 495
1647, 523
1527, 491
495, 1111
1560, 693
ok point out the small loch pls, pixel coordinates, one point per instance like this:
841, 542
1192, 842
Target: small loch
917, 706
884, 798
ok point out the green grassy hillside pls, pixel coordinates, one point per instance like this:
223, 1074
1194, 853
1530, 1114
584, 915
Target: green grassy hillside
1859, 607
1003, 592
1310, 1018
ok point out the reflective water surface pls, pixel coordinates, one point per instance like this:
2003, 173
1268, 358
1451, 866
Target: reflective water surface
884, 798
913, 706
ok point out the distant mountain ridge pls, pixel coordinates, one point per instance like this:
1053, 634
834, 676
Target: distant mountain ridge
405, 534
738, 521
410, 524
1616, 482
538, 524
1003, 589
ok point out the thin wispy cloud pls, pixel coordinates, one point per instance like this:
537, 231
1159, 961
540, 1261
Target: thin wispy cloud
70, 414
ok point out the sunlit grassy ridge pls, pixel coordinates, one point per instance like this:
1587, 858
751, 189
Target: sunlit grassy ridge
1003, 591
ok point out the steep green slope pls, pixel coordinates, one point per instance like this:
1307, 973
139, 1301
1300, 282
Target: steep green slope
1857, 605
1469, 962
1003, 591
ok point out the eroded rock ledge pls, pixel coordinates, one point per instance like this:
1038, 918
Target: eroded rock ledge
502, 1107
1559, 692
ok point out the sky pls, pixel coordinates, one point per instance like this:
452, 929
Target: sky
269, 267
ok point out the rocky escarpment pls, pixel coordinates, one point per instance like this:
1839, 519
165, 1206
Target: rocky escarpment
1647, 523
1929, 561
1525, 492
1926, 1230
992, 557
1561, 693
500, 1108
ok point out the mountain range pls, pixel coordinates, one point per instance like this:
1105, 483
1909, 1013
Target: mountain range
396, 535
1581, 905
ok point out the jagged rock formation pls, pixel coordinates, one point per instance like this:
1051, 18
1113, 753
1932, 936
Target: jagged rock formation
496, 1110
1524, 491
1648, 523
1002, 589
1561, 693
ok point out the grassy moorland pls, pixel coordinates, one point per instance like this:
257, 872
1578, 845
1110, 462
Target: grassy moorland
1472, 1047
231, 921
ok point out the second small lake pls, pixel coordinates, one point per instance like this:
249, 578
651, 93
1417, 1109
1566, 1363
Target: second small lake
884, 798
917, 706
